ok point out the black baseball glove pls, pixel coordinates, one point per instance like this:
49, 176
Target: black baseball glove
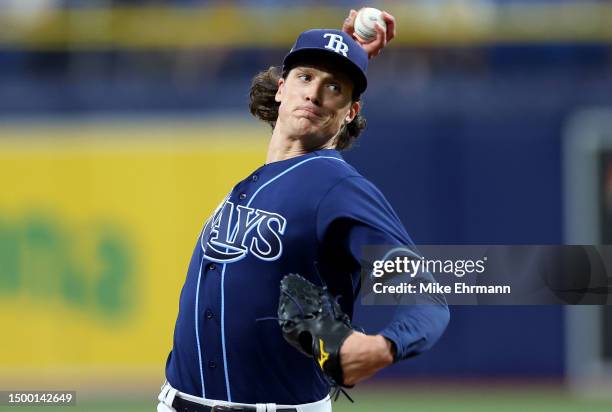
312, 321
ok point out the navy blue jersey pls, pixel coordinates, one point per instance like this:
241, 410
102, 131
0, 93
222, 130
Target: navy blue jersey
281, 219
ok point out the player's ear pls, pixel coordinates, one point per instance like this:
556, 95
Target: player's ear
353, 111
279, 92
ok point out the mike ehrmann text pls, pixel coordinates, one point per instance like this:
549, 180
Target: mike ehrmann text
434, 287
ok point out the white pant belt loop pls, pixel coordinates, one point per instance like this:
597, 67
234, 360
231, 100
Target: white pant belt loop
164, 391
170, 396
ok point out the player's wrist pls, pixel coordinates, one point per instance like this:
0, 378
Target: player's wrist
387, 350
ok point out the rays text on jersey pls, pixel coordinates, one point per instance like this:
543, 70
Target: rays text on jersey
227, 238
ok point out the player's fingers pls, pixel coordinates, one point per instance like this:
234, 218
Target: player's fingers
381, 34
390, 20
373, 48
348, 26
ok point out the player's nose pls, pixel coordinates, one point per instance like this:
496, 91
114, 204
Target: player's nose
313, 92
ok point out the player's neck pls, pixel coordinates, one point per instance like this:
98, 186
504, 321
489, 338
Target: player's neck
283, 146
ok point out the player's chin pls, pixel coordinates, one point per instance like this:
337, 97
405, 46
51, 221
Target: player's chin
307, 125
315, 129
323, 124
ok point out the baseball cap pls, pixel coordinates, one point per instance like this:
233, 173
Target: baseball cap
334, 46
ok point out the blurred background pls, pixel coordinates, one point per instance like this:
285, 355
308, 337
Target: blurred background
124, 123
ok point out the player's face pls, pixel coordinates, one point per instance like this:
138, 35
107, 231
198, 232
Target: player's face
315, 102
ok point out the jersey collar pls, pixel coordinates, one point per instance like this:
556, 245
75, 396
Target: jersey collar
284, 164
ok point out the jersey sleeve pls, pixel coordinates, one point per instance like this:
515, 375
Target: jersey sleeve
372, 221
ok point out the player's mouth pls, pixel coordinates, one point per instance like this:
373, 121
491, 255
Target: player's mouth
310, 111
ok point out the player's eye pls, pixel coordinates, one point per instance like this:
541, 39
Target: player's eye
304, 76
334, 87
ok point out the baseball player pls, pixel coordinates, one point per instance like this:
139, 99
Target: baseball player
304, 211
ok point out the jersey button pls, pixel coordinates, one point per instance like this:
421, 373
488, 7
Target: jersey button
209, 314
242, 196
211, 266
212, 364
254, 178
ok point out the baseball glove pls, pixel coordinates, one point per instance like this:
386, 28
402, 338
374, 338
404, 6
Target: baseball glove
312, 321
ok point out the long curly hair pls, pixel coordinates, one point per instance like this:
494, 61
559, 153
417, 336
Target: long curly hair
263, 106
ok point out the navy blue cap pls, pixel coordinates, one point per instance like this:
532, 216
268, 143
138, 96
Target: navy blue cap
334, 46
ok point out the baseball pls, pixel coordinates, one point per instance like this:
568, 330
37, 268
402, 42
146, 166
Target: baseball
365, 23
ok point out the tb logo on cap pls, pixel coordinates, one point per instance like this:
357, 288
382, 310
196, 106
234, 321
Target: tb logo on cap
336, 44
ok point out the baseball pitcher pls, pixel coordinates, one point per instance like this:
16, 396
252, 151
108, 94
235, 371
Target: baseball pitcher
264, 320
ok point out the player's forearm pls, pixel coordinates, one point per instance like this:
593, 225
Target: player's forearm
417, 324
415, 329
